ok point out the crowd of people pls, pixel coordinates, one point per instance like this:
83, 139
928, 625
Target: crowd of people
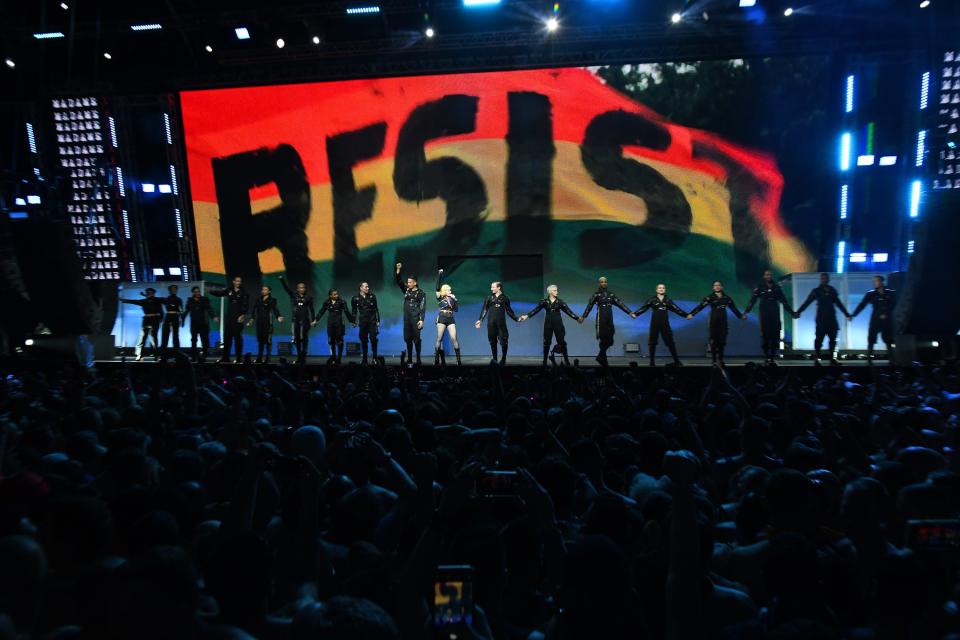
173, 501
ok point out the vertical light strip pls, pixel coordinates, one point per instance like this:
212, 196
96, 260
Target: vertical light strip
176, 213
844, 192
848, 108
924, 90
921, 147
126, 223
871, 130
123, 189
113, 133
846, 142
133, 273
915, 187
31, 139
186, 274
910, 246
166, 127
841, 255
173, 180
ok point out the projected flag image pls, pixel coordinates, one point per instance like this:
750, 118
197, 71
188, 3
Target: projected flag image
525, 177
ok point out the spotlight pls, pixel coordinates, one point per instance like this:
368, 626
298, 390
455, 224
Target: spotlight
316, 39
28, 342
280, 43
366, 9
242, 33
552, 24
748, 3
153, 26
64, 6
675, 18
49, 35
208, 49
788, 11
935, 343
430, 32
107, 55
925, 4
10, 63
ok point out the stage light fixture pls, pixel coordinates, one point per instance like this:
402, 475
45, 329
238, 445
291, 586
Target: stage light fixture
107, 55
10, 63
164, 188
174, 271
364, 10
747, 3
480, 3
925, 4
33, 199
316, 39
675, 18
788, 11
158, 271
154, 26
48, 35
841, 256
858, 257
915, 187
148, 187
430, 32
20, 202
865, 161
28, 342
887, 161
280, 43
242, 33
64, 6
552, 24
935, 344
881, 257
208, 49
846, 143
844, 201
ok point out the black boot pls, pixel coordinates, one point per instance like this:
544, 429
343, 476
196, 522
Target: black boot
457, 351
339, 352
363, 348
373, 347
443, 358
566, 358
503, 355
416, 346
673, 353
653, 355
546, 354
493, 352
436, 358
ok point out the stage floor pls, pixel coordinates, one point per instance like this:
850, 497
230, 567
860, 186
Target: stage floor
535, 361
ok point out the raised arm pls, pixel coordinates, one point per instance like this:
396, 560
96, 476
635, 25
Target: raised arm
439, 277
403, 287
139, 303
220, 292
646, 305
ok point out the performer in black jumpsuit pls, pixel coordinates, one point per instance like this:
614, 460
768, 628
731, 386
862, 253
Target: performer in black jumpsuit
414, 308
660, 322
304, 317
200, 312
718, 301
605, 301
335, 325
446, 322
238, 302
173, 306
771, 297
553, 323
263, 311
881, 317
364, 308
152, 315
496, 308
826, 322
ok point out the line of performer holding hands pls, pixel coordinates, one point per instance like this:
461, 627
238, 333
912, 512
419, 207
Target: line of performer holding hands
164, 316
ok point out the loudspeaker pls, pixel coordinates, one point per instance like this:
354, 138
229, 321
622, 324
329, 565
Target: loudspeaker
59, 295
928, 306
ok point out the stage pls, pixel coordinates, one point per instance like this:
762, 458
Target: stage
528, 362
